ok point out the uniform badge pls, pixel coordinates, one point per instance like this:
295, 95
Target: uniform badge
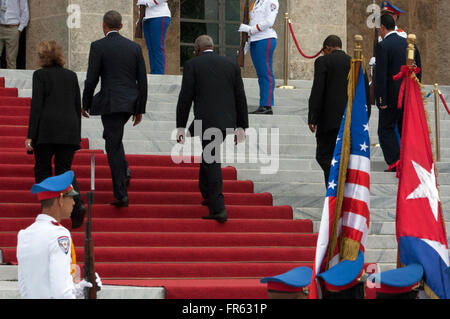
64, 243
273, 7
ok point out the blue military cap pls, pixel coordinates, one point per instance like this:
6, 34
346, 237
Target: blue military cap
55, 186
398, 280
292, 281
387, 6
344, 275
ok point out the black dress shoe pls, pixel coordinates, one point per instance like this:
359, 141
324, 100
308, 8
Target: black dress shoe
121, 202
263, 110
221, 217
128, 178
77, 215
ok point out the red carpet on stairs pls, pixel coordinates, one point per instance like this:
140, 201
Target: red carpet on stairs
160, 240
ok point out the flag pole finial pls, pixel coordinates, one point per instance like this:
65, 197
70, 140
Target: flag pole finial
410, 53
358, 47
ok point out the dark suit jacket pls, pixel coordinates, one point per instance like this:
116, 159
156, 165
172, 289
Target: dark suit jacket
328, 97
55, 114
215, 85
390, 56
120, 65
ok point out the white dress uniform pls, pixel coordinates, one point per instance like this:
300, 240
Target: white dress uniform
263, 40
44, 258
262, 18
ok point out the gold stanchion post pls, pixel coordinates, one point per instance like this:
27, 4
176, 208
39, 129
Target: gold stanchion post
437, 122
286, 48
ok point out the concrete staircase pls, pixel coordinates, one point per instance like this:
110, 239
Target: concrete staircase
295, 179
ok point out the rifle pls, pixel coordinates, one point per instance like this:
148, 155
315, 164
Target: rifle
244, 36
89, 270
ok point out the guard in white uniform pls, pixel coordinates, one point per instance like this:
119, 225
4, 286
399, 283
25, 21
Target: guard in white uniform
263, 40
154, 19
45, 250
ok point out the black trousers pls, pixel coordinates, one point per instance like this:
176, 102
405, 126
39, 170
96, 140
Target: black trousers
326, 143
390, 123
210, 176
63, 156
113, 129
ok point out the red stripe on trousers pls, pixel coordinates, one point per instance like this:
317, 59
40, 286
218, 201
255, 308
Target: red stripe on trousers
162, 44
270, 76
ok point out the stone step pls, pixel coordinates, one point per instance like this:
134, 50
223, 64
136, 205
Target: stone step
10, 290
314, 189
376, 215
389, 202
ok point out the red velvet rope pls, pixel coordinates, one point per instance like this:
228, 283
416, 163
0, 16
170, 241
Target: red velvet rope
445, 104
298, 47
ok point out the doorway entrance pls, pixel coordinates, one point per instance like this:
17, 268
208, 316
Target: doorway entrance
220, 19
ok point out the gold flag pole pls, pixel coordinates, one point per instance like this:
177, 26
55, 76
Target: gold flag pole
437, 122
286, 48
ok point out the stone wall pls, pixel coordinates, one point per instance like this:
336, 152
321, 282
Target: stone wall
312, 22
429, 20
48, 21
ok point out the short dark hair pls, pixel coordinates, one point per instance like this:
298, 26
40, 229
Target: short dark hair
387, 21
112, 19
332, 41
47, 203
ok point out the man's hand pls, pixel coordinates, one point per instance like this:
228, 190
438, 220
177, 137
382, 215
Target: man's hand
138, 32
383, 107
312, 128
239, 136
180, 135
28, 145
85, 113
137, 119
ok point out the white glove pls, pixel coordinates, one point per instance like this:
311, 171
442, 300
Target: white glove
372, 61
98, 281
79, 288
245, 28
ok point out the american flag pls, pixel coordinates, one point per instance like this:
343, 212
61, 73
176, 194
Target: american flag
352, 227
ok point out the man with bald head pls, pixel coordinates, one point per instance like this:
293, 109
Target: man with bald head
215, 85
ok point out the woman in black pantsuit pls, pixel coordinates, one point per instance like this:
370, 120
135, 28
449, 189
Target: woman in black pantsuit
54, 129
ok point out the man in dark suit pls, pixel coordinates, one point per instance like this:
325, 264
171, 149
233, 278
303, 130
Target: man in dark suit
328, 99
215, 85
120, 65
390, 56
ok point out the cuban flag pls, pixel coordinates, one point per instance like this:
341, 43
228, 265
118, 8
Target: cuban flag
420, 225
347, 231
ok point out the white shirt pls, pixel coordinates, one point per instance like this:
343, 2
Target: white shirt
262, 18
44, 258
401, 33
14, 12
155, 8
